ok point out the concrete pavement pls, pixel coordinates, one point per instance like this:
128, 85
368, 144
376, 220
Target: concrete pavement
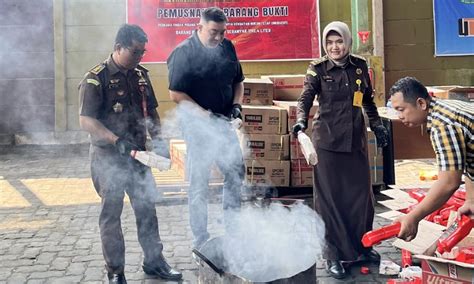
49, 224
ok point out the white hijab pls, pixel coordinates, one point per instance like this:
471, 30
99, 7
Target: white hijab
343, 30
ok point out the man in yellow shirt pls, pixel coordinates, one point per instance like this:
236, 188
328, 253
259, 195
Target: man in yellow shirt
449, 123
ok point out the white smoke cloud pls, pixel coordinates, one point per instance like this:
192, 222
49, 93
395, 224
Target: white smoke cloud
270, 243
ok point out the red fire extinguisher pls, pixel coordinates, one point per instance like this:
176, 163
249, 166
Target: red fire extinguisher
376, 236
455, 233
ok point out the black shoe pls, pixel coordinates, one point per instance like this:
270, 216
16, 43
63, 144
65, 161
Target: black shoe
117, 278
371, 256
335, 269
162, 270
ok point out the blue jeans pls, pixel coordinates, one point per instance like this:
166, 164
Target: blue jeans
212, 142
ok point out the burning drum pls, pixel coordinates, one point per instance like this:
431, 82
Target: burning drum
213, 268
272, 244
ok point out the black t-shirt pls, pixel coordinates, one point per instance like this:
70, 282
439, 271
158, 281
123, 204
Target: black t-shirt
207, 75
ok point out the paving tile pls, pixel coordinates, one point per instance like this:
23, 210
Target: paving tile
51, 235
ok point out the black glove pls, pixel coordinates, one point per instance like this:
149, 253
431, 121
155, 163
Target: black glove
236, 111
124, 147
160, 147
381, 133
301, 124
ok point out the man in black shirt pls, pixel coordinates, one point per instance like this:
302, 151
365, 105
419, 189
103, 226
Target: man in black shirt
206, 81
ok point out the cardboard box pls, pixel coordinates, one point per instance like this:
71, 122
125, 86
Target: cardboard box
435, 270
376, 169
428, 232
438, 270
286, 87
264, 119
372, 148
265, 146
408, 142
267, 172
295, 148
177, 153
178, 162
375, 157
292, 109
463, 93
301, 173
258, 92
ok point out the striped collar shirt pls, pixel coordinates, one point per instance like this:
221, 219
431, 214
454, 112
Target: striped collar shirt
450, 125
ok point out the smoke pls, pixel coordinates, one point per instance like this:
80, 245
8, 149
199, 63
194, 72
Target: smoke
27, 66
207, 134
270, 243
170, 126
262, 243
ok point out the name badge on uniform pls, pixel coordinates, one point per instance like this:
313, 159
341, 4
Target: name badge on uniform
357, 102
328, 78
114, 83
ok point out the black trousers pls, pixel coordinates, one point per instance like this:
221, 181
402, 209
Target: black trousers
113, 176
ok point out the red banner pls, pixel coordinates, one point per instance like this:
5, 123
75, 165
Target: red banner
260, 30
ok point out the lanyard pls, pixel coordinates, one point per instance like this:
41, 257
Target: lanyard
143, 92
142, 88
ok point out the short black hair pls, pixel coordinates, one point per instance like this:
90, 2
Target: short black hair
411, 89
214, 14
128, 33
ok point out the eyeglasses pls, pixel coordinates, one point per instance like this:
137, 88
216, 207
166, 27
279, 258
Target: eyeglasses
136, 53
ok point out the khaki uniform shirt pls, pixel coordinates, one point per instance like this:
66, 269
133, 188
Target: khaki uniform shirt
117, 100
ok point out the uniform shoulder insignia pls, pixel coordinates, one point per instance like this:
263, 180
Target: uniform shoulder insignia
359, 57
93, 81
311, 72
97, 69
319, 60
140, 67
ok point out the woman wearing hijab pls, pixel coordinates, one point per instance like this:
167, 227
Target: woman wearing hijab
342, 191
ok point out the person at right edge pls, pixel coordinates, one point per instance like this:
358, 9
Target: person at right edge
341, 188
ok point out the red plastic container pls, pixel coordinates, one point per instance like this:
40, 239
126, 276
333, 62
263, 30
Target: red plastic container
406, 258
454, 234
466, 255
417, 194
460, 193
374, 237
453, 201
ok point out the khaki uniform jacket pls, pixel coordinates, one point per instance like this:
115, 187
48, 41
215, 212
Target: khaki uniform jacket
338, 124
117, 100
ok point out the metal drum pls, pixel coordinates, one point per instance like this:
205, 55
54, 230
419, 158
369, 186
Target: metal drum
213, 268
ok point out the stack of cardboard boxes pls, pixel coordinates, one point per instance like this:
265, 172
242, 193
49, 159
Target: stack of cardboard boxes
178, 161
286, 87
301, 172
264, 136
463, 93
272, 155
286, 91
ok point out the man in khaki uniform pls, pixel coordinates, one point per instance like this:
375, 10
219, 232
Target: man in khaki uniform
117, 108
